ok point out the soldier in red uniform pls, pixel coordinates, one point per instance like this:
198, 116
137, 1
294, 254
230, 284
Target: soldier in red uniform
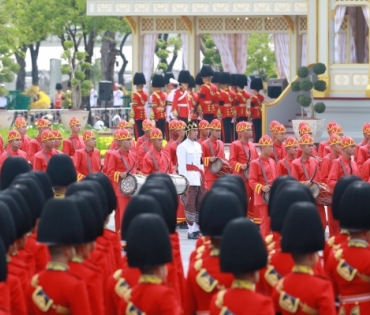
241, 99
212, 148
41, 159
55, 290
284, 166
226, 108
58, 139
204, 276
207, 93
139, 99
348, 264
35, 144
236, 260
121, 162
151, 295
158, 101
302, 291
279, 151
87, 161
203, 127
75, 141
20, 125
215, 80
242, 152
261, 176
323, 144
256, 107
306, 169
343, 165
182, 105
13, 147
366, 133
156, 159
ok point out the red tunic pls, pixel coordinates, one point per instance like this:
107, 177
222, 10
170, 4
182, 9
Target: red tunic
86, 162
176, 254
322, 146
5, 307
284, 167
194, 105
256, 106
240, 101
39, 250
348, 268
141, 151
41, 159
333, 243
139, 99
226, 103
25, 144
17, 295
365, 171
10, 152
341, 167
278, 153
325, 166
101, 256
233, 301
72, 144
141, 140
171, 150
301, 292
67, 292
155, 161
182, 104
207, 94
151, 297
35, 145
358, 146
363, 155
312, 168
115, 240
158, 103
203, 281
216, 151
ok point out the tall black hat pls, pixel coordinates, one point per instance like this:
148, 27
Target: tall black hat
89, 221
219, 208
167, 206
241, 80
225, 78
167, 77
191, 83
163, 178
148, 229
234, 78
353, 214
302, 231
206, 71
108, 189
139, 78
3, 262
198, 79
45, 182
282, 202
339, 190
256, 84
138, 204
242, 248
7, 226
279, 183
61, 170
12, 166
60, 223
158, 81
58, 86
184, 76
216, 77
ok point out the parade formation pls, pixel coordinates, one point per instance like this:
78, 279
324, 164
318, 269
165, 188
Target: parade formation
256, 207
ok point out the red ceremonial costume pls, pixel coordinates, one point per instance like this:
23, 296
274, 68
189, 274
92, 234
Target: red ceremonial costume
35, 144
363, 155
182, 105
41, 159
284, 166
203, 125
20, 122
226, 111
256, 114
72, 144
365, 171
12, 135
323, 144
240, 100
279, 151
207, 93
139, 99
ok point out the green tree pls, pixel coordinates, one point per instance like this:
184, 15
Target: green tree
261, 56
210, 52
162, 52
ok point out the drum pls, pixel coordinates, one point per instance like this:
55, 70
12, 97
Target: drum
131, 185
220, 167
324, 195
181, 183
266, 197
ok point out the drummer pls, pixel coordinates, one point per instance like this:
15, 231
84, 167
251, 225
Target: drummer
120, 163
212, 148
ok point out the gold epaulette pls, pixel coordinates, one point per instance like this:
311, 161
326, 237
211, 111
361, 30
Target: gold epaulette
121, 287
272, 276
131, 309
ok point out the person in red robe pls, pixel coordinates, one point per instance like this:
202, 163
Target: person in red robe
143, 144
121, 163
75, 141
156, 159
148, 125
203, 127
272, 126
42, 158
87, 161
363, 155
123, 124
242, 152
20, 125
306, 169
13, 147
336, 130
323, 144
278, 149
261, 176
305, 129
284, 166
58, 139
172, 147
366, 133
35, 144
172, 125
212, 149
365, 171
181, 105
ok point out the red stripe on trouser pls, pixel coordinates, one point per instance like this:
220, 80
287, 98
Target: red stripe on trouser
332, 223
322, 214
122, 202
265, 220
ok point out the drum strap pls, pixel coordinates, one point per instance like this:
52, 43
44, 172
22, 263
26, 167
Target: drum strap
40, 143
211, 148
330, 157
145, 147
154, 161
287, 167
306, 173
89, 168
125, 162
247, 153
275, 154
344, 169
45, 156
264, 172
73, 144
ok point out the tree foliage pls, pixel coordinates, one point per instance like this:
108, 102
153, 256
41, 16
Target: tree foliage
210, 52
163, 51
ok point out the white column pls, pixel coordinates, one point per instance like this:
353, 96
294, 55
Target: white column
293, 49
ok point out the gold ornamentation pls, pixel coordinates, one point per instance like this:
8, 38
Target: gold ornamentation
276, 24
150, 279
131, 309
206, 281
141, 7
220, 7
261, 7
122, 7
241, 7
184, 24
346, 271
210, 24
272, 276
288, 302
282, 7
300, 7
200, 7
147, 24
165, 24
160, 7
104, 7
180, 7
132, 23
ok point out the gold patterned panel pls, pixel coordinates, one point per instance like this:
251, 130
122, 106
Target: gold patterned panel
180, 25
282, 7
241, 7
210, 24
341, 79
161, 7
165, 24
300, 7
303, 23
220, 7
180, 7
104, 7
243, 24
147, 25
122, 7
141, 7
276, 24
261, 7
200, 7
360, 79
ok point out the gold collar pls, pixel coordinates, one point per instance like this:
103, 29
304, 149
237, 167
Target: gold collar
150, 279
77, 259
56, 266
302, 269
214, 252
243, 284
357, 243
